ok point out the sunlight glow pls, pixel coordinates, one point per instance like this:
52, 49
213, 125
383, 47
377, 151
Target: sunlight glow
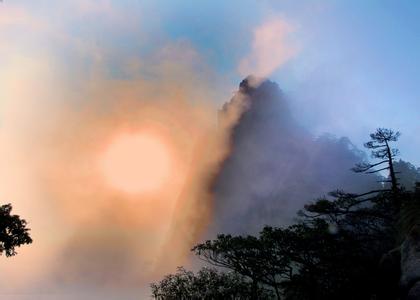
136, 163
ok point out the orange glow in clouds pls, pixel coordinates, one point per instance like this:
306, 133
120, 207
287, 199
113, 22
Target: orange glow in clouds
136, 163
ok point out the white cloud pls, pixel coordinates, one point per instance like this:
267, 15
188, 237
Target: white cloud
271, 48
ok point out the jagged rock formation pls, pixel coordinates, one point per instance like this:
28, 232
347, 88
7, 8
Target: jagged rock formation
276, 166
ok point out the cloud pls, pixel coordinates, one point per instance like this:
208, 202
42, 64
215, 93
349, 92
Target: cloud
272, 47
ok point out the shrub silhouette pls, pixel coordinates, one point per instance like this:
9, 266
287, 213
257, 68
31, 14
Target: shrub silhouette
13, 231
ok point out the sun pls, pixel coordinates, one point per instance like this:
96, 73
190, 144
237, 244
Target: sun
136, 163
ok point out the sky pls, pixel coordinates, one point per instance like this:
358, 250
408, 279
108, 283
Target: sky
77, 76
354, 61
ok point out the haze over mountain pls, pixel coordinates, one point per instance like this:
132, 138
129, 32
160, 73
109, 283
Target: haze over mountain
78, 75
276, 165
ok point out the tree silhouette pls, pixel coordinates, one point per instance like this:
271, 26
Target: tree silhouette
381, 149
345, 246
13, 231
249, 256
332, 253
208, 283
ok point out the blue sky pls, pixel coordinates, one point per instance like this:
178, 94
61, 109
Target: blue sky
357, 68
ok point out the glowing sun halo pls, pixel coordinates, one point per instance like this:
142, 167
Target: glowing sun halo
136, 163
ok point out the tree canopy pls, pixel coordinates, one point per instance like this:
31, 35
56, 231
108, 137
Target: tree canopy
13, 231
343, 246
208, 283
381, 149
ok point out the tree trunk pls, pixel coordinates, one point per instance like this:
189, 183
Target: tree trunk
254, 289
394, 183
276, 289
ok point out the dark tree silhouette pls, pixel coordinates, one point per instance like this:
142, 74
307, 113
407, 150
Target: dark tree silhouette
208, 283
381, 149
13, 231
249, 256
344, 246
334, 252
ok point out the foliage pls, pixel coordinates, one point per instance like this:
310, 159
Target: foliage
410, 212
345, 246
333, 253
380, 149
13, 231
208, 283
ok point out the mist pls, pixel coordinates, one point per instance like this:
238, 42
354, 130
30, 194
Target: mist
91, 237
77, 74
276, 166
